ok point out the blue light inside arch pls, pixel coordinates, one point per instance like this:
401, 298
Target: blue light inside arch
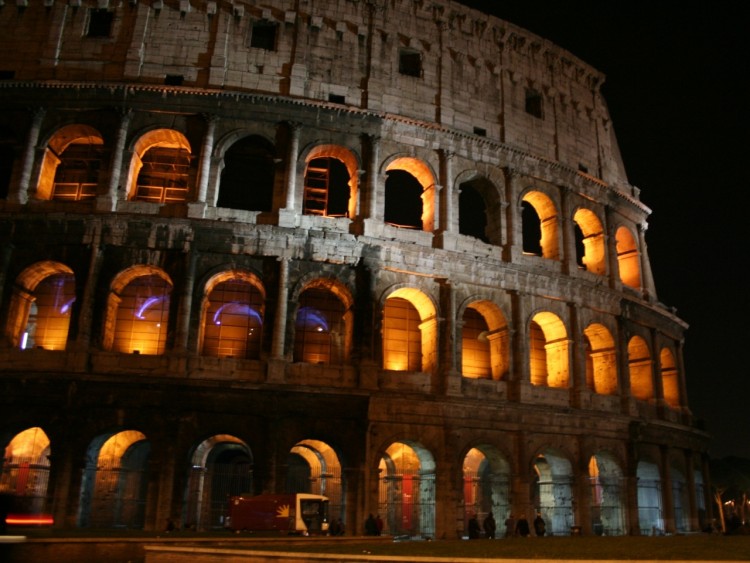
140, 313
237, 309
311, 318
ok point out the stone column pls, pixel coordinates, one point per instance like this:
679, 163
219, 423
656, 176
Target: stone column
450, 371
656, 375
647, 278
21, 193
568, 257
372, 210
666, 492
206, 156
519, 346
695, 525
184, 313
108, 201
447, 215
86, 314
279, 329
291, 166
623, 366
577, 357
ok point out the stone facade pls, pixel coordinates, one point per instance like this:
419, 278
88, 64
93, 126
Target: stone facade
192, 309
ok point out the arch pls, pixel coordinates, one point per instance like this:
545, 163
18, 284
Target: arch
324, 322
545, 224
409, 331
670, 380
331, 182
409, 194
608, 490
138, 311
650, 517
486, 484
114, 483
680, 497
251, 157
232, 315
41, 305
485, 341
70, 166
407, 490
601, 360
25, 471
160, 169
640, 369
220, 466
314, 467
548, 349
553, 491
628, 259
594, 256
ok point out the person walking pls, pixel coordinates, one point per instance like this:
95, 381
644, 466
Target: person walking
510, 526
473, 527
540, 527
489, 527
522, 527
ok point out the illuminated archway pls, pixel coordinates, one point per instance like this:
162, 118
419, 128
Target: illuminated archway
547, 217
232, 315
410, 185
601, 361
548, 350
331, 182
409, 331
221, 466
640, 369
486, 482
485, 342
248, 174
650, 519
41, 306
314, 467
553, 492
628, 260
669, 378
114, 483
160, 170
71, 163
594, 256
138, 311
607, 495
407, 490
25, 472
680, 497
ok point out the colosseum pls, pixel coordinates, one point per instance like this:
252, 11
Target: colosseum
381, 250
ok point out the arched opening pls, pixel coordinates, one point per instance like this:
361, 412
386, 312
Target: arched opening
72, 161
313, 467
248, 177
540, 226
607, 495
650, 517
592, 241
486, 480
485, 342
669, 378
680, 499
601, 362
553, 492
548, 348
233, 312
41, 306
220, 467
407, 490
409, 195
640, 369
320, 328
25, 473
114, 484
138, 311
628, 260
326, 188
472, 213
409, 331
162, 167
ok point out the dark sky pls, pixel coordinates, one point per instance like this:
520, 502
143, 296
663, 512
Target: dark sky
677, 91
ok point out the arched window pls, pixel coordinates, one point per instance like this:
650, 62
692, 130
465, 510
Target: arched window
326, 188
320, 327
247, 179
590, 254
548, 349
485, 342
628, 260
669, 378
140, 311
233, 320
161, 169
539, 217
41, 306
409, 195
409, 331
601, 364
472, 213
73, 159
640, 368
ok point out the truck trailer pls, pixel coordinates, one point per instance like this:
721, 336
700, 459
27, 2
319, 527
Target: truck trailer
295, 513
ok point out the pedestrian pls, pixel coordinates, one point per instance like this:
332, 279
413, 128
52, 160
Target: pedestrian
342, 527
334, 529
473, 527
489, 527
378, 525
371, 527
539, 526
522, 527
510, 526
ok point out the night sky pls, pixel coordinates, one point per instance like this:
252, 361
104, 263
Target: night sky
677, 90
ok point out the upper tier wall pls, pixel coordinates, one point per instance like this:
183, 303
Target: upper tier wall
435, 61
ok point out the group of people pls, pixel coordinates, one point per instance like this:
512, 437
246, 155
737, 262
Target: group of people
373, 525
513, 527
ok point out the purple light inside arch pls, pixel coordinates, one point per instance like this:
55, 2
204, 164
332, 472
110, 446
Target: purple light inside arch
312, 317
146, 304
237, 309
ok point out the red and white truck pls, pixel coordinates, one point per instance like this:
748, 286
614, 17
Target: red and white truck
295, 513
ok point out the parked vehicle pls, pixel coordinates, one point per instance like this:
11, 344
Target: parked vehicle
297, 513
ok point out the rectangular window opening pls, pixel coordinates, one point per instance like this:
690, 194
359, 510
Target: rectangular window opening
336, 99
174, 80
100, 23
534, 103
482, 132
410, 63
263, 35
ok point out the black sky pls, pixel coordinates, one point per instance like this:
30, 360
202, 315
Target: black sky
677, 91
